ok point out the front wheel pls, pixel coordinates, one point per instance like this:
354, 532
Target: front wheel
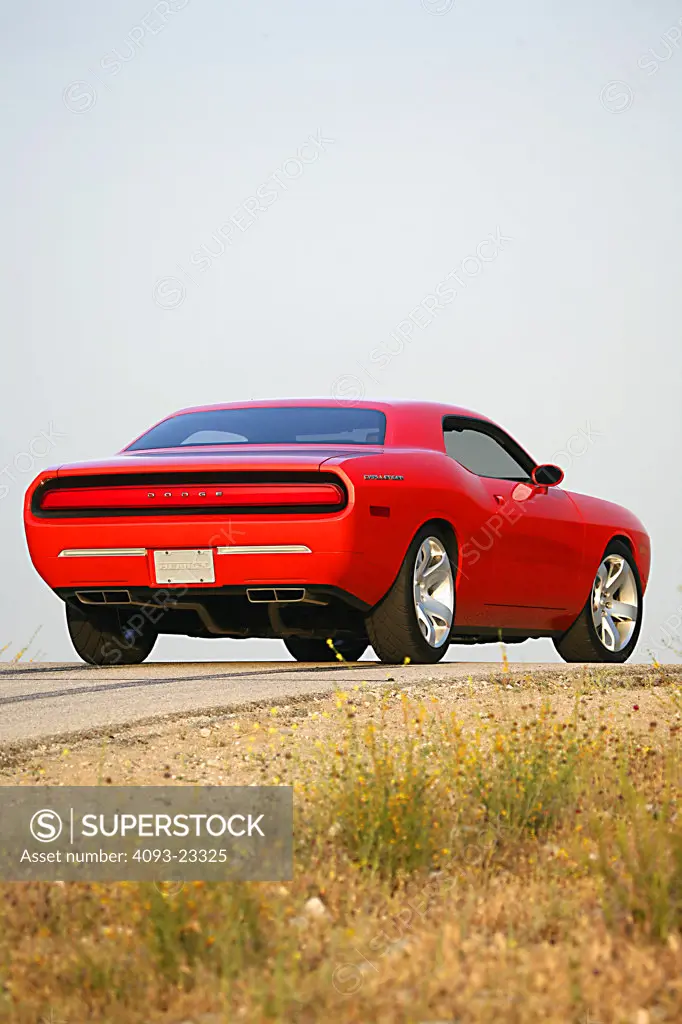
414, 621
106, 636
303, 649
608, 627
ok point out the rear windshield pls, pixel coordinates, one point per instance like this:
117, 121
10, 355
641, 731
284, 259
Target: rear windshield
287, 425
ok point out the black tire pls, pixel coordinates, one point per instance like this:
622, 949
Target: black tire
581, 642
109, 636
303, 649
393, 626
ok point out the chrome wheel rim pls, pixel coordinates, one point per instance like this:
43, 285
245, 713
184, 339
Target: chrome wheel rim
615, 603
434, 592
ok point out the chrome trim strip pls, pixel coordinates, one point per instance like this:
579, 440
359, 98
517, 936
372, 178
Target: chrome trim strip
102, 552
233, 549
265, 549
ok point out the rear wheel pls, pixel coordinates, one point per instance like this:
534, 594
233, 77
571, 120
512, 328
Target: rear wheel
608, 627
303, 649
108, 636
414, 620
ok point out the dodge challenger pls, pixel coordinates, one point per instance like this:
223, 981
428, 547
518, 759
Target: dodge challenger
407, 526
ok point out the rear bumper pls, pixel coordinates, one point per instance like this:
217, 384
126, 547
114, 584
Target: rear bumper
73, 555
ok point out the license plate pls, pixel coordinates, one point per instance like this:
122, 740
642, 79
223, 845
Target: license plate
192, 566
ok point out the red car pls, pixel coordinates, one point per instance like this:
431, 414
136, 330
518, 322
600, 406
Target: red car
405, 525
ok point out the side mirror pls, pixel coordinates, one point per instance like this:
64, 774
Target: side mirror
547, 475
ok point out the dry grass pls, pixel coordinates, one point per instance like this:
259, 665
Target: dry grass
509, 852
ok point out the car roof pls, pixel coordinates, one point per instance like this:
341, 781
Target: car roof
407, 407
409, 424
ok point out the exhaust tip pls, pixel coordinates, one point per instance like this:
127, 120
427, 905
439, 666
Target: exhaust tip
103, 596
275, 595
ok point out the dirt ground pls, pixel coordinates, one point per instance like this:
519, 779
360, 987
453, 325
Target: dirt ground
569, 912
238, 747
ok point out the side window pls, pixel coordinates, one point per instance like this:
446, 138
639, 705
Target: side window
484, 452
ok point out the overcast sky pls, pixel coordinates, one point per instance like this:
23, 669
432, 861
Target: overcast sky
207, 201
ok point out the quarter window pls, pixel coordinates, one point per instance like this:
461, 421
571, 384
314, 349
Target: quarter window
486, 450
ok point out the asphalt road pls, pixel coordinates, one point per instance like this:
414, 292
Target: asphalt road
55, 699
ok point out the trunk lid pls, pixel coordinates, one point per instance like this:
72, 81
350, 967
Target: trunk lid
248, 458
257, 479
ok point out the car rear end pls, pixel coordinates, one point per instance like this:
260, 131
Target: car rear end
219, 533
266, 520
